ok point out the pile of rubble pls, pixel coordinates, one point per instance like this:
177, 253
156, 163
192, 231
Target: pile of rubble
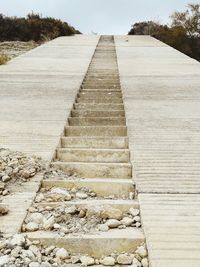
20, 251
17, 167
66, 219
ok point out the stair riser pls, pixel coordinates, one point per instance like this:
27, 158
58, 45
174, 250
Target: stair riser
96, 121
82, 106
96, 131
96, 170
99, 95
102, 188
92, 155
100, 113
95, 247
93, 100
80, 142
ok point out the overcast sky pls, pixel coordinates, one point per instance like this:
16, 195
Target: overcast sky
100, 16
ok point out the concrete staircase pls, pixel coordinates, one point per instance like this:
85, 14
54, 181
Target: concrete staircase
94, 148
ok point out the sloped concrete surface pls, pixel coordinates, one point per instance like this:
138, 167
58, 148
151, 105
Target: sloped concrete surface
161, 97
37, 91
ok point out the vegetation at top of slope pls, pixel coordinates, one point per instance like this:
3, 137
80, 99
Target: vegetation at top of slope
33, 27
183, 33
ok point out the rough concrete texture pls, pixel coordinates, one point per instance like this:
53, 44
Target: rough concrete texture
37, 90
161, 95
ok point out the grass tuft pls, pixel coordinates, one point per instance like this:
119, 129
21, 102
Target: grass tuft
3, 59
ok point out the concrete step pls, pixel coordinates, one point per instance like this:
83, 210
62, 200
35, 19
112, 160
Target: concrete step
95, 170
98, 100
95, 142
97, 94
97, 113
101, 244
102, 187
106, 86
97, 106
95, 131
95, 121
93, 155
100, 90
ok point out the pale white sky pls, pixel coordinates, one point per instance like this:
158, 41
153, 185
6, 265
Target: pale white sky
100, 16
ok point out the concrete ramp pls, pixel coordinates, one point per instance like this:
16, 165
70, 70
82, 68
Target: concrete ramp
37, 90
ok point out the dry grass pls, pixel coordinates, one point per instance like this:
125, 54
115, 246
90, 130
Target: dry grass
3, 59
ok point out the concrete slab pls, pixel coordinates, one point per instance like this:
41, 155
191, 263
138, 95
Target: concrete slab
161, 96
37, 91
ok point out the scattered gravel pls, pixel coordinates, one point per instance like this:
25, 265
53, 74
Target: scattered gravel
18, 250
71, 219
16, 168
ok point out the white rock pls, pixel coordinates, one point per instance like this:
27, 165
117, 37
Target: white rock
145, 262
87, 260
45, 264
141, 251
108, 261
112, 223
111, 213
62, 254
37, 218
134, 212
124, 259
127, 221
31, 226
49, 223
17, 240
56, 226
81, 195
137, 218
34, 264
4, 260
61, 191
6, 178
71, 210
136, 263
103, 228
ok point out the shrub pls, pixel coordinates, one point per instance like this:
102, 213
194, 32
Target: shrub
4, 59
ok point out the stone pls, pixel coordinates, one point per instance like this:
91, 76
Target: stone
127, 221
145, 262
134, 212
137, 218
108, 261
56, 226
62, 254
71, 210
6, 178
18, 240
124, 259
113, 223
75, 259
136, 262
31, 226
34, 264
60, 191
45, 264
15, 252
4, 260
3, 210
111, 213
37, 218
103, 228
49, 223
141, 251
81, 195
87, 261
131, 195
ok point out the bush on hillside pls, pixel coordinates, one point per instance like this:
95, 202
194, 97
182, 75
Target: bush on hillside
33, 27
183, 33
